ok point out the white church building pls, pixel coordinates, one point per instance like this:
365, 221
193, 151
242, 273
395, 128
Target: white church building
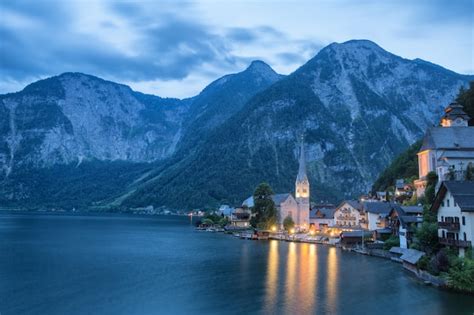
447, 149
297, 207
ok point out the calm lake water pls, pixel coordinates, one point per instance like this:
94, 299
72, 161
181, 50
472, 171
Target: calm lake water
140, 265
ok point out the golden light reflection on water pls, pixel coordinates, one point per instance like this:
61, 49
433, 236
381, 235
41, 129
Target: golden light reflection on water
295, 287
271, 296
290, 281
331, 282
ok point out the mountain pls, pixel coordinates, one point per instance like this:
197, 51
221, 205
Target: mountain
357, 105
74, 139
75, 117
223, 98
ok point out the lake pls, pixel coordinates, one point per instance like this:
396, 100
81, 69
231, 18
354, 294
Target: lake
64, 264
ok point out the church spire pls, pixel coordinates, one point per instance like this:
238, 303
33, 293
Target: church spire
302, 167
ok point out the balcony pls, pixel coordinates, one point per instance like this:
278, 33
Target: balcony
450, 226
453, 242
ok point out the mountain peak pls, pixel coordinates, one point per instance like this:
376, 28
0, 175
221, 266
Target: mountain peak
355, 44
260, 66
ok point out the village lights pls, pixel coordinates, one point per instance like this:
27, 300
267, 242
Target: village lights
292, 231
274, 228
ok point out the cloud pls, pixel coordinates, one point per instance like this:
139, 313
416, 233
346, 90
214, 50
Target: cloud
179, 46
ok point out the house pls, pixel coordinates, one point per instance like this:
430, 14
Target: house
454, 205
381, 195
240, 218
403, 221
376, 214
349, 215
322, 216
402, 190
225, 210
447, 149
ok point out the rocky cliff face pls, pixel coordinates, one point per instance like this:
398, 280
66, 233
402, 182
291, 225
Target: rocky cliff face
358, 107
75, 117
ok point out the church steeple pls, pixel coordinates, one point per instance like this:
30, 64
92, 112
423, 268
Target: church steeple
302, 168
302, 182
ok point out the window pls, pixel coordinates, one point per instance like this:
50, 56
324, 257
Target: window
465, 236
456, 219
442, 203
447, 202
444, 234
442, 219
433, 162
463, 220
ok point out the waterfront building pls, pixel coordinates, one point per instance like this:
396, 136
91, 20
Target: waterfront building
240, 218
349, 215
403, 221
454, 205
321, 216
447, 149
376, 214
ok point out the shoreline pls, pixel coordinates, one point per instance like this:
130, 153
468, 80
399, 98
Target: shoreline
422, 276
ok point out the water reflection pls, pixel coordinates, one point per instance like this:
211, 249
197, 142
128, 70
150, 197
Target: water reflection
272, 278
331, 280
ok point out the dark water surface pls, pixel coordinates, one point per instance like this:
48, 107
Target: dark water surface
133, 265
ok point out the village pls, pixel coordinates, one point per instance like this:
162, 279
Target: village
386, 224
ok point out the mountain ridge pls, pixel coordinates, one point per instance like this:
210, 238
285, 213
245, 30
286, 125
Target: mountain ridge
357, 104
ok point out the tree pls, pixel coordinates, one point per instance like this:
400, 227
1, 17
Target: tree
426, 237
288, 223
470, 171
431, 179
264, 207
466, 99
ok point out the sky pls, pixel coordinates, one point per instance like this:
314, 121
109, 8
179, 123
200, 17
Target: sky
175, 48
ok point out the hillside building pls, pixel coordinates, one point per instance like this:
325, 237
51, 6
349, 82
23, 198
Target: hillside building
447, 149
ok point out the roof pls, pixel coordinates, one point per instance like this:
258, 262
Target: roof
377, 207
453, 138
353, 203
412, 209
301, 177
280, 198
457, 155
355, 233
399, 183
277, 199
455, 110
411, 219
462, 191
408, 254
412, 256
326, 212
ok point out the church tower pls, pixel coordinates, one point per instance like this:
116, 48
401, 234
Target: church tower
302, 190
454, 116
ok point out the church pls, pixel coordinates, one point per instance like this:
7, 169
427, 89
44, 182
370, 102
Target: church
297, 207
447, 149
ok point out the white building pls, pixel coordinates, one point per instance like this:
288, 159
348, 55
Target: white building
454, 205
447, 149
287, 205
376, 214
349, 214
322, 216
